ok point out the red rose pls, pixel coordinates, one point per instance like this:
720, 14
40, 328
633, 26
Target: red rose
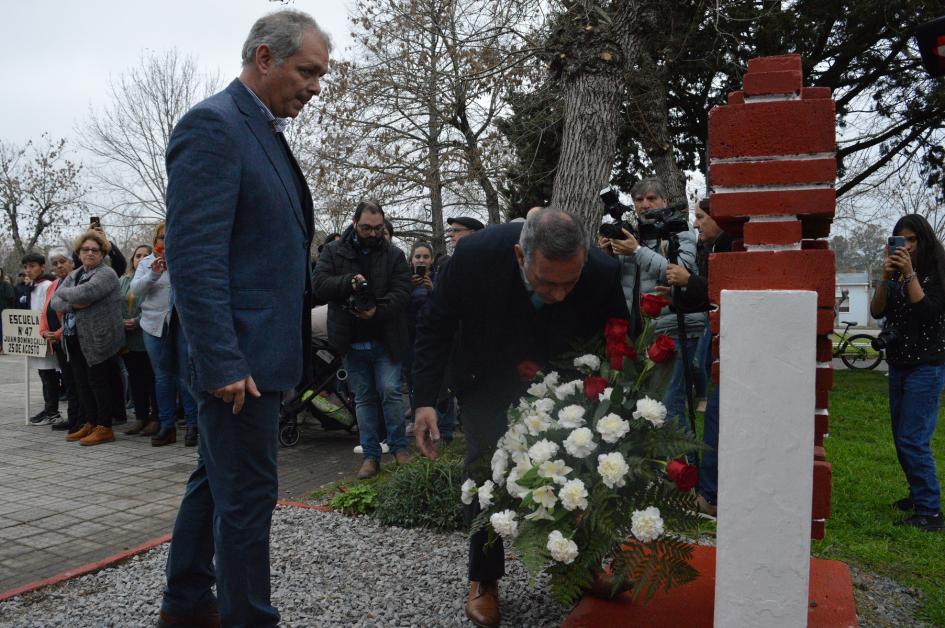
661, 349
615, 330
683, 475
652, 304
617, 351
527, 370
594, 386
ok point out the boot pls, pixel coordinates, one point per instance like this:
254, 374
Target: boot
101, 434
482, 604
167, 436
152, 428
369, 468
190, 436
136, 427
81, 433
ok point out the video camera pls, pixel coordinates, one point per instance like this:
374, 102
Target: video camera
655, 224
362, 298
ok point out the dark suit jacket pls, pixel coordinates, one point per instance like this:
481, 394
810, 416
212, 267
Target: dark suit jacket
481, 293
239, 226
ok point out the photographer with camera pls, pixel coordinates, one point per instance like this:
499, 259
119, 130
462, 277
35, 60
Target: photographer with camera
911, 297
366, 282
641, 243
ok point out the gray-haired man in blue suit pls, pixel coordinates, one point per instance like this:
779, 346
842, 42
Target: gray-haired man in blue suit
238, 213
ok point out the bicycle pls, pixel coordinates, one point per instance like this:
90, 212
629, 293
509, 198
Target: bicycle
856, 351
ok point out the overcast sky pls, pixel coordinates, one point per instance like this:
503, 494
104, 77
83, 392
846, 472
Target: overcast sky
60, 53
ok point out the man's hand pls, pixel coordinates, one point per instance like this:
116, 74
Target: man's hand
129, 324
235, 393
628, 246
604, 245
426, 431
365, 314
677, 275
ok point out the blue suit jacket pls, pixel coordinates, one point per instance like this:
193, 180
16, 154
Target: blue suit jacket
237, 244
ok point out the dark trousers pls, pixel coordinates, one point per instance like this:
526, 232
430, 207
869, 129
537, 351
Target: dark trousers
484, 423
117, 388
94, 383
141, 382
222, 530
50, 379
74, 412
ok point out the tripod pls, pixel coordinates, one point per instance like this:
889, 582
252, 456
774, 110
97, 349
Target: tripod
673, 258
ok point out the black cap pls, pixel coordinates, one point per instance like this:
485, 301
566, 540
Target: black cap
466, 221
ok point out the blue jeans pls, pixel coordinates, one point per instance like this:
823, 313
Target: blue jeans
372, 377
675, 396
914, 393
168, 355
709, 464
222, 530
703, 362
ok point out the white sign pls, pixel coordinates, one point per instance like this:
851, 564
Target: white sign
21, 334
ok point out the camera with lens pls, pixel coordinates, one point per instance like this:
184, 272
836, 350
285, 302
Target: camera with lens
361, 298
889, 336
655, 224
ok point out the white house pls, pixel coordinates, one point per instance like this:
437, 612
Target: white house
853, 300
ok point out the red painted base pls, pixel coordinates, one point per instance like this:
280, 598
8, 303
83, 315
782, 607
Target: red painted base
693, 605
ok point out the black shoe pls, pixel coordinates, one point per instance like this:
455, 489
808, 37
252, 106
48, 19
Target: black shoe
190, 438
167, 436
60, 424
905, 504
929, 523
40, 418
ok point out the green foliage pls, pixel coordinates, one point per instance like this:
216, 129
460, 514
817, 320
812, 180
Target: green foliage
359, 499
424, 494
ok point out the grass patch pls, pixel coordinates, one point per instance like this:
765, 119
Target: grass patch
866, 480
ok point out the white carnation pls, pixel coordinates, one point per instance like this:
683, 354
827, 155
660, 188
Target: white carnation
551, 379
613, 469
650, 410
563, 391
537, 423
544, 406
647, 524
562, 550
571, 417
468, 491
573, 495
514, 442
588, 360
504, 524
612, 428
545, 496
554, 470
606, 394
580, 443
538, 389
511, 485
485, 494
542, 450
500, 465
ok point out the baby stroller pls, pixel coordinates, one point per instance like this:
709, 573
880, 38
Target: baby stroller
327, 398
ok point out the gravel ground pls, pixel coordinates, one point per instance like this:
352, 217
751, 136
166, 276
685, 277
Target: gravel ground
326, 572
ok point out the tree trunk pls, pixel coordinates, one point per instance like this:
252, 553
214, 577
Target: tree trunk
478, 169
588, 145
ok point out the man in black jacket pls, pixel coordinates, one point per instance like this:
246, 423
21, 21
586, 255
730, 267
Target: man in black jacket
366, 282
512, 292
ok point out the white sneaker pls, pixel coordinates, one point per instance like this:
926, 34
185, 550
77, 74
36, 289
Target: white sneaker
385, 449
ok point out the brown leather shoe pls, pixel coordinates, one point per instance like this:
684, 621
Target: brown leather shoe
603, 586
403, 456
152, 428
482, 604
136, 427
369, 468
210, 618
99, 435
165, 437
83, 431
706, 507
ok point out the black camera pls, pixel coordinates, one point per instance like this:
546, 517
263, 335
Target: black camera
361, 298
889, 336
655, 224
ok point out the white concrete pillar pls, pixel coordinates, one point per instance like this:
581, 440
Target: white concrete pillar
766, 438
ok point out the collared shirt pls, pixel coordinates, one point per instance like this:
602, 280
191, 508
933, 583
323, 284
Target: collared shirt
278, 124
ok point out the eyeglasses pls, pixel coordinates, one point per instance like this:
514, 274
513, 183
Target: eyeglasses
452, 230
368, 228
86, 249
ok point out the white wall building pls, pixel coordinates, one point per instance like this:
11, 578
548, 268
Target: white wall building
853, 294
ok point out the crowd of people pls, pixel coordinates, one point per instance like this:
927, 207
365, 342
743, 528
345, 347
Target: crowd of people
105, 324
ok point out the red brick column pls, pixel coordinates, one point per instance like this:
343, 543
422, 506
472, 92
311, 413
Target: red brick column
772, 169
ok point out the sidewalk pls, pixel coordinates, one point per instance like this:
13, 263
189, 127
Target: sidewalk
63, 505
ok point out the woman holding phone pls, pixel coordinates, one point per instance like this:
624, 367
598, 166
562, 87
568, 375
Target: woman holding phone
911, 297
